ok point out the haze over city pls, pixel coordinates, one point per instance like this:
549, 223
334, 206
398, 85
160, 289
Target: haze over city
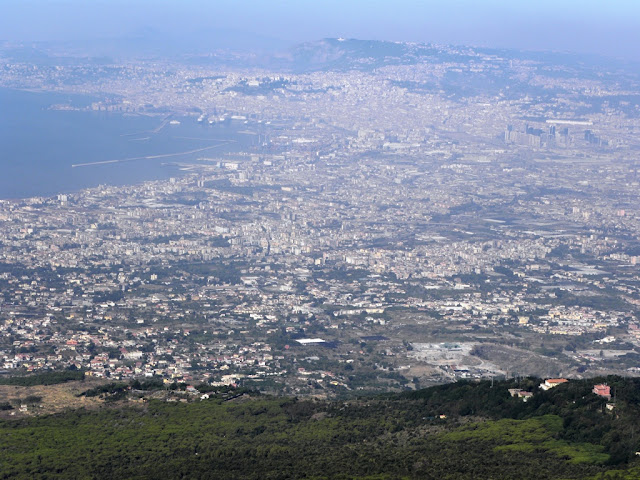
277, 239
587, 26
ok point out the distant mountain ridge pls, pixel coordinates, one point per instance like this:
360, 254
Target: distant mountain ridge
241, 50
340, 53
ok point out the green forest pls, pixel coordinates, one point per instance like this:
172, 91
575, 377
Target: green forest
464, 430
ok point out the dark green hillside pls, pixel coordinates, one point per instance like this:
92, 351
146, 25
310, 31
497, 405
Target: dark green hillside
564, 433
47, 378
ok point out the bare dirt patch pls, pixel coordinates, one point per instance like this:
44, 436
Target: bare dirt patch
53, 398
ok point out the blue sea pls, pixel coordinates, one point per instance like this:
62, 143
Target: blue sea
38, 145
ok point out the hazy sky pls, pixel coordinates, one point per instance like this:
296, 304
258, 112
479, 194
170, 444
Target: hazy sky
606, 27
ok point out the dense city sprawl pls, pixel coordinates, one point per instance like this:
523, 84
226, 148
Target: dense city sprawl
393, 223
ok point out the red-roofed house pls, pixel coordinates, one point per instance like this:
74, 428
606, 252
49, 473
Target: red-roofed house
602, 390
552, 382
